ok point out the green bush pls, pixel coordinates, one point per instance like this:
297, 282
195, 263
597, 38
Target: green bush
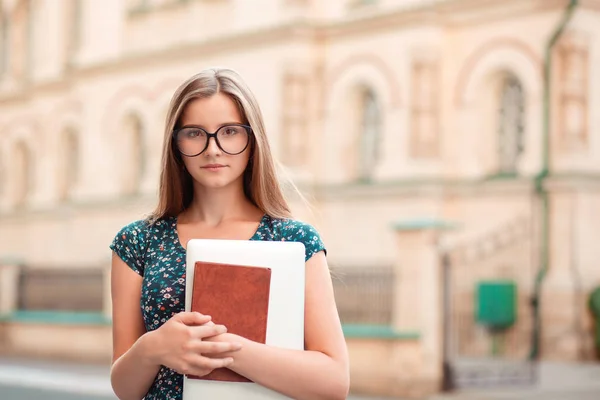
594, 304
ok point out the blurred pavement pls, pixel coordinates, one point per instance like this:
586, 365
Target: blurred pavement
22, 379
557, 381
31, 380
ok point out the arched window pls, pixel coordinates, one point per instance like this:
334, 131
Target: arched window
370, 133
133, 154
23, 174
511, 125
69, 164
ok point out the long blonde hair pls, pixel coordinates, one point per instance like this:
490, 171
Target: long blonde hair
261, 185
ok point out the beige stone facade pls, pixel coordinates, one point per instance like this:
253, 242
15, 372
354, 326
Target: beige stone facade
381, 111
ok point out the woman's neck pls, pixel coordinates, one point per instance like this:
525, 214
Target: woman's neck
213, 206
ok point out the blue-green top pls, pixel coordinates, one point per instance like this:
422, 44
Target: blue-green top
156, 253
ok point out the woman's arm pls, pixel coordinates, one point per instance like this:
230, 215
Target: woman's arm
177, 344
132, 372
319, 372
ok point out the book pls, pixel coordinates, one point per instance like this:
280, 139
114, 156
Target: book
236, 296
285, 317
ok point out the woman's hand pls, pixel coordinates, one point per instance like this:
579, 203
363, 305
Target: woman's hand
227, 338
179, 344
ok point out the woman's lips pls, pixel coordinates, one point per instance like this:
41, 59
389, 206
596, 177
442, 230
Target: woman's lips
213, 167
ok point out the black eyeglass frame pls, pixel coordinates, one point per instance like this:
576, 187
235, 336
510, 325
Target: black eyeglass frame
209, 135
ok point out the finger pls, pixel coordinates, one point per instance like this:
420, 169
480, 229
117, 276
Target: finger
203, 363
206, 331
193, 318
202, 347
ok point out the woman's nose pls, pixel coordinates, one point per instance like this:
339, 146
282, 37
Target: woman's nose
212, 148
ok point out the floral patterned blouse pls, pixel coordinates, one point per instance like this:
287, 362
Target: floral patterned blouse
155, 252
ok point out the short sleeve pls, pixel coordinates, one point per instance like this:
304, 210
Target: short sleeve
130, 245
296, 231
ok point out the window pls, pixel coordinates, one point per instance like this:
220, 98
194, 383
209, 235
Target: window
572, 90
2, 178
359, 3
136, 4
424, 142
511, 125
23, 174
32, 24
69, 164
134, 154
294, 121
151, 5
369, 130
73, 31
19, 41
4, 42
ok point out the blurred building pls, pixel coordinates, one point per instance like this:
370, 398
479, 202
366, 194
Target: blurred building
417, 129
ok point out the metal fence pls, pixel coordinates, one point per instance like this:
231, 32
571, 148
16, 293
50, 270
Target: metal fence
364, 295
475, 355
61, 289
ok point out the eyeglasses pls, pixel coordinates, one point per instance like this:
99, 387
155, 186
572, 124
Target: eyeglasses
191, 141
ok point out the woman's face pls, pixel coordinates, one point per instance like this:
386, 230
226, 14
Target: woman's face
214, 167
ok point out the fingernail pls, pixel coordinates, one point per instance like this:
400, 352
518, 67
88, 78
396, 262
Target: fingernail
237, 346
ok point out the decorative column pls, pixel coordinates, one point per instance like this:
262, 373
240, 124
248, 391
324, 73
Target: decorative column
418, 289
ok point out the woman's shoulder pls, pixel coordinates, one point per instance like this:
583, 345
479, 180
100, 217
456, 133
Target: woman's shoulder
288, 226
136, 234
130, 244
132, 240
295, 230
143, 226
297, 227
136, 227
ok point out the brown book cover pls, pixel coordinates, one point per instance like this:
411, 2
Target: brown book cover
236, 296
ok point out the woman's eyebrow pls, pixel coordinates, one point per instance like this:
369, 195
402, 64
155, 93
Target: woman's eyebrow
219, 126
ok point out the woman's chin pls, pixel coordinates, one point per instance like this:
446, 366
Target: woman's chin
216, 182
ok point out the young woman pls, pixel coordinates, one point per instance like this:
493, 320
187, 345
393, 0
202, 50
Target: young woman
218, 181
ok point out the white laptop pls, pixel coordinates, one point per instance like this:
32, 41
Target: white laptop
285, 321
